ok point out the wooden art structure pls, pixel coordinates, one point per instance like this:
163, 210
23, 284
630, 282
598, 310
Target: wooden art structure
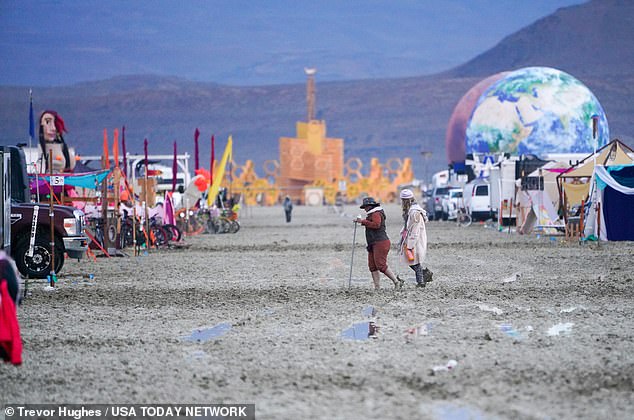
311, 169
310, 155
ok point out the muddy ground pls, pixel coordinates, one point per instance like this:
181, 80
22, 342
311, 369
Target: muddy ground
556, 342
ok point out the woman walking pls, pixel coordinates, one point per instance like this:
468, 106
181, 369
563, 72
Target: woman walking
413, 247
378, 242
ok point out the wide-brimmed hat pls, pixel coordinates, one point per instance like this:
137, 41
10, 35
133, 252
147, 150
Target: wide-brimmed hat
369, 202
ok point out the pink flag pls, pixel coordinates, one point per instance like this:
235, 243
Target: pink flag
213, 157
174, 169
196, 135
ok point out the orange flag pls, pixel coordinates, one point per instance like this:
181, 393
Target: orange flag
105, 156
115, 148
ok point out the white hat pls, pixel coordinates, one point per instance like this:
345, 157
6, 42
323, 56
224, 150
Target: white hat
407, 194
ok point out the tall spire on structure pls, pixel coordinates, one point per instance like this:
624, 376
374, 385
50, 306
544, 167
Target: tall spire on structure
310, 92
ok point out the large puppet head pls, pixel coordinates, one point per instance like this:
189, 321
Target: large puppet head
51, 127
52, 131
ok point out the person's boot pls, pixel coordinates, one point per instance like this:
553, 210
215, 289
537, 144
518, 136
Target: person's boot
420, 278
376, 279
427, 275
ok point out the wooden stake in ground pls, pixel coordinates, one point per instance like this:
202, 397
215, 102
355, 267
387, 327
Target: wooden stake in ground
598, 224
511, 214
145, 209
581, 214
51, 213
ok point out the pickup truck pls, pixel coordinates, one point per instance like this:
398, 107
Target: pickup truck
31, 226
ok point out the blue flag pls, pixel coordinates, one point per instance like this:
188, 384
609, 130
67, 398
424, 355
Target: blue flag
31, 123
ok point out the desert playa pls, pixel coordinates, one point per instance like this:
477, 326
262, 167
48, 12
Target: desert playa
511, 327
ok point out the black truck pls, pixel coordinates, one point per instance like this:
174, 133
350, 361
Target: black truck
31, 226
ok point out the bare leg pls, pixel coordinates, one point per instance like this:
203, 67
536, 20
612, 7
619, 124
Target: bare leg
392, 277
376, 279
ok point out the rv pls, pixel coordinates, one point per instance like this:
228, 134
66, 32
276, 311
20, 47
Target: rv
502, 185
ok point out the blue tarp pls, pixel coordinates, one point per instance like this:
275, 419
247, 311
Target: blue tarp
90, 180
618, 201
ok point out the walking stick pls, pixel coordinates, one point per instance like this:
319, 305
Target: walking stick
354, 240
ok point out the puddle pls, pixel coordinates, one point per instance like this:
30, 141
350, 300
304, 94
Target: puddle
510, 331
448, 411
369, 311
361, 331
268, 311
196, 355
205, 334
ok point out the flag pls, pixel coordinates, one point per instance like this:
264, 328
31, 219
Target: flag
174, 169
215, 185
115, 148
31, 121
196, 134
106, 157
125, 160
145, 151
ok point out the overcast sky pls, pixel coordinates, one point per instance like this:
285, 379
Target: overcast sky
249, 42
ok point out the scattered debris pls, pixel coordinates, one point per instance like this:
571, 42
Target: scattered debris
418, 330
451, 364
513, 277
568, 310
487, 308
564, 328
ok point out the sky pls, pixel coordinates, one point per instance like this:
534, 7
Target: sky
247, 42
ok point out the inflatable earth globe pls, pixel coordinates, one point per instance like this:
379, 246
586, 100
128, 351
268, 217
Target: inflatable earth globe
536, 110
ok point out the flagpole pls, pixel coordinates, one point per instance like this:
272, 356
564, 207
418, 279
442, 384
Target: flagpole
31, 122
31, 135
595, 138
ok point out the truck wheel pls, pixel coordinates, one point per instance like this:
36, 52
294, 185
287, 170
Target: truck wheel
39, 265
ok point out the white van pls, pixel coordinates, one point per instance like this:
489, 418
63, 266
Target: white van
477, 198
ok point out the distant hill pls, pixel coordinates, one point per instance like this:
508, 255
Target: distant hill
377, 118
588, 40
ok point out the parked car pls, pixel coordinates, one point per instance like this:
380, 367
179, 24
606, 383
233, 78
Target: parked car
477, 196
450, 204
433, 203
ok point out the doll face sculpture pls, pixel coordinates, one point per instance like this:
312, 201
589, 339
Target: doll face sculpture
52, 130
48, 127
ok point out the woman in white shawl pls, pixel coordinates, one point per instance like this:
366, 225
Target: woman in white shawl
413, 247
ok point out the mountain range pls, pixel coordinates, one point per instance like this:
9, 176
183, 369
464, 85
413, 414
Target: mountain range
377, 117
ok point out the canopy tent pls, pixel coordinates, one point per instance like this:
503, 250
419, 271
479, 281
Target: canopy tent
614, 198
86, 180
574, 184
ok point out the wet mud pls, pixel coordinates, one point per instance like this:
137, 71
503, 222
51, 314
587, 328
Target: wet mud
511, 327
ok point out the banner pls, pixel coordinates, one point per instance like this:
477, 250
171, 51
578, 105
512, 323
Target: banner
217, 177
